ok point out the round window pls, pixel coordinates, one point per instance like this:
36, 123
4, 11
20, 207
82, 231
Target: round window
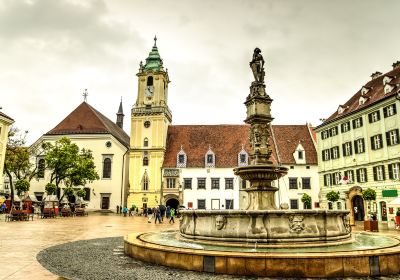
108, 144
147, 124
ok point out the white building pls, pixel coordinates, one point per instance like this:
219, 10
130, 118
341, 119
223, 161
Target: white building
89, 129
5, 124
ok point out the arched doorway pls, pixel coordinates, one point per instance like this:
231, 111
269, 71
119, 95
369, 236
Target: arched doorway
358, 207
172, 203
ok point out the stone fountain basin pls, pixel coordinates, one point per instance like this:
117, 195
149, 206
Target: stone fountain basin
264, 172
266, 226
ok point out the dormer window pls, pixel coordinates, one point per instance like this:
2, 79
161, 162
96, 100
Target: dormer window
388, 88
181, 158
387, 79
362, 100
243, 158
299, 154
340, 109
364, 90
210, 158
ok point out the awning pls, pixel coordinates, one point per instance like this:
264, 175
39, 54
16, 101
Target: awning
394, 202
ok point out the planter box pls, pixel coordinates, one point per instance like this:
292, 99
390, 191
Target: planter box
371, 225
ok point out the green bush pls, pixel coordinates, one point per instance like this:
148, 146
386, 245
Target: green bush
68, 191
369, 194
22, 186
81, 193
50, 188
332, 196
306, 199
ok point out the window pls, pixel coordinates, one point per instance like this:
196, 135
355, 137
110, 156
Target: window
300, 154
171, 183
149, 80
374, 117
201, 204
327, 180
145, 182
326, 154
330, 205
392, 137
335, 152
307, 167
291, 167
292, 183
359, 146
243, 185
347, 149
87, 194
394, 171
147, 123
181, 159
349, 176
187, 183
228, 183
333, 131
214, 183
306, 183
324, 134
108, 144
210, 158
336, 178
201, 183
145, 161
106, 168
339, 205
145, 142
228, 203
294, 204
379, 173
305, 206
242, 158
389, 111
361, 175
345, 127
357, 123
41, 168
376, 142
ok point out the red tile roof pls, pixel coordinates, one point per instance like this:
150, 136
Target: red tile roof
87, 120
226, 142
375, 94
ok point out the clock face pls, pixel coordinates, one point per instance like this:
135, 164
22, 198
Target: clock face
149, 91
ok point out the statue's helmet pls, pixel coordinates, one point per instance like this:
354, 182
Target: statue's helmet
257, 50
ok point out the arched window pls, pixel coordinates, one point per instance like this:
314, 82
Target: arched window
145, 161
145, 182
41, 168
150, 81
107, 168
145, 142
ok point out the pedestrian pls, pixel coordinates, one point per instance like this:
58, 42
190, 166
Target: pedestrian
149, 215
125, 211
117, 209
120, 210
3, 207
158, 216
171, 215
168, 212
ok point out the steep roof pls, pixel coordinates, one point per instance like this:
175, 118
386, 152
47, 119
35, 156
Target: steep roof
375, 94
87, 120
226, 142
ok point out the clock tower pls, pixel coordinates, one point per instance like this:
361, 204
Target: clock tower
150, 119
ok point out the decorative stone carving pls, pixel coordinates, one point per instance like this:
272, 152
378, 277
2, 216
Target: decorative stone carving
220, 222
171, 172
296, 223
346, 223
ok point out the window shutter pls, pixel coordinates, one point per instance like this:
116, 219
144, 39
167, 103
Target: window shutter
388, 139
378, 113
355, 147
358, 175
394, 109
338, 151
352, 175
390, 168
325, 181
354, 124
385, 114
366, 175
330, 132
370, 118
373, 143
375, 175
361, 122
397, 136
351, 148
383, 172
363, 145
344, 150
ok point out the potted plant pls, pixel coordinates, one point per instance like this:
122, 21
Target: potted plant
306, 199
332, 196
371, 224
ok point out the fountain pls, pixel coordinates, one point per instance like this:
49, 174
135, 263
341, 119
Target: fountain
263, 240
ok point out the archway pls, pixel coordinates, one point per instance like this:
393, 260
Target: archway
358, 207
172, 203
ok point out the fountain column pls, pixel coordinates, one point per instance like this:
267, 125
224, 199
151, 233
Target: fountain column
261, 170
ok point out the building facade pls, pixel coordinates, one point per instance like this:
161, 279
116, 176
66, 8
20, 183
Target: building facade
358, 148
89, 129
5, 125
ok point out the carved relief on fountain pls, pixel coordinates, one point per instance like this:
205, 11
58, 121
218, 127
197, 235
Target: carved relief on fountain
220, 222
296, 223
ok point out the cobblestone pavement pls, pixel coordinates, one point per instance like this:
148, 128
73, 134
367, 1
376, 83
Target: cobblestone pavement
20, 243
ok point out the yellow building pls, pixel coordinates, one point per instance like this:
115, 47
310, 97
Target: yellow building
150, 119
5, 123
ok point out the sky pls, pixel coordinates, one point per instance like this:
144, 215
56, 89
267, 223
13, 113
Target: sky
318, 54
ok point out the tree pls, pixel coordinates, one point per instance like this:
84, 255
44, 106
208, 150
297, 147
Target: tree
306, 199
17, 162
50, 188
332, 196
22, 186
69, 166
369, 195
81, 193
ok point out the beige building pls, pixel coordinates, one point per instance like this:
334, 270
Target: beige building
89, 129
5, 124
358, 148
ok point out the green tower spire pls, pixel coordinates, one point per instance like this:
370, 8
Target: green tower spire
154, 61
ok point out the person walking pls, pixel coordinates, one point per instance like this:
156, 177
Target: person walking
171, 216
158, 216
117, 209
168, 211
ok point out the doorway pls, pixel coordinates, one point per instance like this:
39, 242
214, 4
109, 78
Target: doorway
105, 201
383, 211
358, 208
172, 203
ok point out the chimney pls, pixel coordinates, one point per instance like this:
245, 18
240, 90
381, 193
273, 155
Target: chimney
375, 75
396, 64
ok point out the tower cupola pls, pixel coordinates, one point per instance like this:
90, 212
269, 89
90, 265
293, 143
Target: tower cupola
153, 61
120, 116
